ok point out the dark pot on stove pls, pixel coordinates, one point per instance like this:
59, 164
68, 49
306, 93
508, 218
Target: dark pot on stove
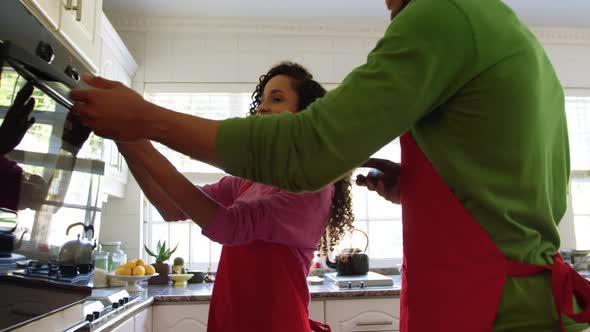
351, 261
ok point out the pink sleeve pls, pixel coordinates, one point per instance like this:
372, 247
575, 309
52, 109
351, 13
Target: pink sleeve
293, 219
225, 191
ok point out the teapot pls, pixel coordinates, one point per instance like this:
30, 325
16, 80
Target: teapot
351, 261
8, 241
77, 252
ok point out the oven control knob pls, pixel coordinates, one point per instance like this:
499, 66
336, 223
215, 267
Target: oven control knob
96, 314
126, 299
362, 284
45, 51
115, 305
90, 317
72, 73
349, 285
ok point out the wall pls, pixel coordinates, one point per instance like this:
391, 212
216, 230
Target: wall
228, 51
122, 220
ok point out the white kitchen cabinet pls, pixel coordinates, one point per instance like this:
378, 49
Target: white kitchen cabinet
116, 63
80, 24
143, 320
76, 23
126, 326
365, 315
180, 317
316, 311
47, 10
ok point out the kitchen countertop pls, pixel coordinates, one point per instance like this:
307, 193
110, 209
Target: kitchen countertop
163, 294
201, 293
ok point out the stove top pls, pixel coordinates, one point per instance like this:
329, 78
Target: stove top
81, 274
370, 279
102, 310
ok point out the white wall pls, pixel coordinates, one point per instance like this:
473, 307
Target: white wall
122, 220
215, 51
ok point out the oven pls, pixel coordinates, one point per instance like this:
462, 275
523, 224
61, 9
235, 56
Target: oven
62, 157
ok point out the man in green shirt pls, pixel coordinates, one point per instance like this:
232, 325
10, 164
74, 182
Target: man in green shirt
465, 79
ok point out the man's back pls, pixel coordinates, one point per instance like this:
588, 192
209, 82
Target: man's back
500, 143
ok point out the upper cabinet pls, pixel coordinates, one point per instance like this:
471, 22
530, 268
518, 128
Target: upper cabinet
76, 23
48, 11
116, 63
80, 24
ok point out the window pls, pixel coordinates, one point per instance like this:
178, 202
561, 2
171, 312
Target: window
578, 117
198, 251
379, 218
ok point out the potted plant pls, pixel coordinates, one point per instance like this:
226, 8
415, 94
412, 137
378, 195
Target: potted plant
162, 254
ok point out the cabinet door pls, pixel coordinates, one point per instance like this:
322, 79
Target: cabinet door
316, 311
143, 320
116, 169
47, 10
126, 326
180, 317
80, 25
364, 315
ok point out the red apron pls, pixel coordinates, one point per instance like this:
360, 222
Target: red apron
260, 287
453, 273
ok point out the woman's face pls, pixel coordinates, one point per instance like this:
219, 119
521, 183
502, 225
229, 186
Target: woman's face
279, 96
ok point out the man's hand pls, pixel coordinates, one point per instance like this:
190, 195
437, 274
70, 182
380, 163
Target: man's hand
384, 180
112, 110
17, 122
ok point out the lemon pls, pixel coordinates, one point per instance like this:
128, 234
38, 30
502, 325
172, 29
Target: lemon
139, 271
149, 270
123, 271
139, 262
130, 265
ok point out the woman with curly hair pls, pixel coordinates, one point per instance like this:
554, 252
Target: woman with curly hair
269, 235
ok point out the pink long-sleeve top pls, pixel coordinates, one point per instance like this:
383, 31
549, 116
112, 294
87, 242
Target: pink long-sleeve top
262, 212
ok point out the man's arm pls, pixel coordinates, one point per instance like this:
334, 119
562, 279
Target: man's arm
427, 54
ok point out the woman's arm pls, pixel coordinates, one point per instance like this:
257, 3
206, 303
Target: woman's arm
292, 219
171, 192
152, 190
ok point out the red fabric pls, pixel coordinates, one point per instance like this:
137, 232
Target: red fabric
260, 287
453, 273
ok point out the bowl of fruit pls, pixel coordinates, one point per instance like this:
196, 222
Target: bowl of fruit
132, 272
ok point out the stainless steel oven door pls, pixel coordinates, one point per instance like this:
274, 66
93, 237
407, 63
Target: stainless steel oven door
56, 151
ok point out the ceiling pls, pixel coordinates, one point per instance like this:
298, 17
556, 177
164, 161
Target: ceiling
555, 13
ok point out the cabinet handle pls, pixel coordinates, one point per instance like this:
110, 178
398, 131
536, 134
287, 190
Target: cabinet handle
69, 5
379, 323
78, 9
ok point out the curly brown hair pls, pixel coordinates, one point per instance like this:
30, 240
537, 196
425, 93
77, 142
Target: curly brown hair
308, 90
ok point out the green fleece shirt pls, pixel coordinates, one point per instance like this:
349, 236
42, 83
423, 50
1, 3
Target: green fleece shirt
482, 100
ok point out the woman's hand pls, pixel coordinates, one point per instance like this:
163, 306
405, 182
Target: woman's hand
384, 180
17, 122
113, 110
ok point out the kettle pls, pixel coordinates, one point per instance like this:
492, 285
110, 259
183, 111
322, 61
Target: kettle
77, 252
8, 241
351, 261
